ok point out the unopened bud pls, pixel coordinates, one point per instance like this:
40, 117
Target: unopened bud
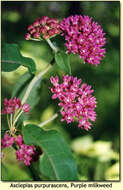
33, 31
27, 36
26, 107
51, 32
36, 35
30, 27
36, 23
46, 36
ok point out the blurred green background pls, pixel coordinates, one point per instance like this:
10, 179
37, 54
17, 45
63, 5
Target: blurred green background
96, 151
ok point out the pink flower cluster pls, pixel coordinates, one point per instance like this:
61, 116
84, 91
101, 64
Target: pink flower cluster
7, 141
76, 100
11, 105
45, 27
84, 37
24, 152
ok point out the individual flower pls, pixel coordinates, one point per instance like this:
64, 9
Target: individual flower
75, 99
7, 141
84, 37
43, 27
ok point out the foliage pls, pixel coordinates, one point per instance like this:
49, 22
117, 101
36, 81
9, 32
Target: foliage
62, 60
12, 59
50, 162
96, 152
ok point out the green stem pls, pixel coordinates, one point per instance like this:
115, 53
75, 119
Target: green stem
17, 117
33, 82
52, 46
33, 39
8, 121
11, 120
49, 120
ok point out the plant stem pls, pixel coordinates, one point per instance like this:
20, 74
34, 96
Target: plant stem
52, 46
11, 120
17, 117
33, 39
33, 82
49, 120
8, 121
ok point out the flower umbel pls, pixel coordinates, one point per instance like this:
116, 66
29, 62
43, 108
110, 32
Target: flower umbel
43, 27
84, 37
75, 99
11, 105
24, 151
7, 141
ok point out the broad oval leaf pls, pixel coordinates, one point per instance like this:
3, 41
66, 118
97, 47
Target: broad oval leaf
57, 162
62, 60
12, 59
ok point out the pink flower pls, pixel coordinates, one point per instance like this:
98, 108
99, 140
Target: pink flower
36, 35
44, 27
25, 153
11, 105
26, 108
84, 37
75, 99
7, 141
27, 36
19, 140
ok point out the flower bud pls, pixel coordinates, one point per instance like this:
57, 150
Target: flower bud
36, 23
30, 27
26, 107
46, 36
27, 36
36, 35
32, 31
51, 32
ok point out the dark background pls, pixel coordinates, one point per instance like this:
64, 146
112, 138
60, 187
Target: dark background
16, 16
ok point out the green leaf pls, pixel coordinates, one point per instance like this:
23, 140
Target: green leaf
12, 59
57, 162
17, 173
20, 89
33, 97
62, 60
4, 172
22, 82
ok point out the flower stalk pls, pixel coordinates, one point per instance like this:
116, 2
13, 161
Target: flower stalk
33, 82
48, 121
52, 46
